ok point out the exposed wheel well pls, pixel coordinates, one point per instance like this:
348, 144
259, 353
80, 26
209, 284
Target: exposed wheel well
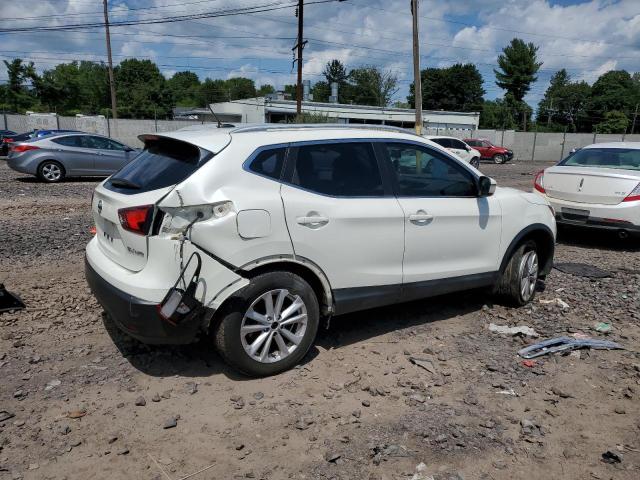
303, 271
543, 238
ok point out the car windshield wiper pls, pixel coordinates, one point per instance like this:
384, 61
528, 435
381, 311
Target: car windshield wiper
124, 183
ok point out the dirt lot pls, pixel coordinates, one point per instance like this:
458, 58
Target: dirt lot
90, 403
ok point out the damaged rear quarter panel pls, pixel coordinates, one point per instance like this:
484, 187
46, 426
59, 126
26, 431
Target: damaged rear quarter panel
224, 179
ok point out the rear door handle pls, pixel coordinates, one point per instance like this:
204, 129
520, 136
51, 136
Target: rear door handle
313, 221
420, 218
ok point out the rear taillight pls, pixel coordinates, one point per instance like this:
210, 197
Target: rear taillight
634, 195
136, 219
538, 182
23, 148
7, 140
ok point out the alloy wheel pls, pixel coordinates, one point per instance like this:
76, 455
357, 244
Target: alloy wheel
273, 326
51, 172
528, 274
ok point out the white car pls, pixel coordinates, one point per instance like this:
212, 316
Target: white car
458, 148
253, 234
597, 186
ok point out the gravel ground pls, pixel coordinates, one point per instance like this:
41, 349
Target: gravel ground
88, 402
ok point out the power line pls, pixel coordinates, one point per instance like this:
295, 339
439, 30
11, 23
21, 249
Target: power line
268, 7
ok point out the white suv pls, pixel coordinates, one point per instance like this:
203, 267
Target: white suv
459, 148
254, 234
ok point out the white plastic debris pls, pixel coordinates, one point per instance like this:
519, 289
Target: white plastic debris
519, 330
561, 303
421, 473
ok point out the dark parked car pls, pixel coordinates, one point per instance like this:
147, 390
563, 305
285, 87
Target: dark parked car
7, 140
54, 157
489, 151
4, 133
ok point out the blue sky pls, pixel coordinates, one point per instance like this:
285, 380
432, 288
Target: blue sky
586, 37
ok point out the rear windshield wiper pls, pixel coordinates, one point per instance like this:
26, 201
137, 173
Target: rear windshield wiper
124, 183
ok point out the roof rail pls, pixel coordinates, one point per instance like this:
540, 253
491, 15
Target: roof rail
319, 126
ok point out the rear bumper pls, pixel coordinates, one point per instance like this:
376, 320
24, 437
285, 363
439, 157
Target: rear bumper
600, 223
623, 216
136, 317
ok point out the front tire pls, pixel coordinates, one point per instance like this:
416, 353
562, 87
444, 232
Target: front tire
499, 159
475, 162
51, 171
268, 326
517, 285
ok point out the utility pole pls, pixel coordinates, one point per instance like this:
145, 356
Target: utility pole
635, 115
417, 81
112, 84
299, 46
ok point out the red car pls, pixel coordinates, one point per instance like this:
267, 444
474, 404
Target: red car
489, 151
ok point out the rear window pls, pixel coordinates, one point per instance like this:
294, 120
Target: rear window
616, 158
162, 163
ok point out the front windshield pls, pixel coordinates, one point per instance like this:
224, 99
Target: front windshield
617, 158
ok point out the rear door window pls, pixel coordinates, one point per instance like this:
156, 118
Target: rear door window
70, 141
162, 163
338, 169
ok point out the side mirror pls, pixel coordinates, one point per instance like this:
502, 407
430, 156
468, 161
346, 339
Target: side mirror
486, 186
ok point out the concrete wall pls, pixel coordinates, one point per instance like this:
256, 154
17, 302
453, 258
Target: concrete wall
124, 130
527, 146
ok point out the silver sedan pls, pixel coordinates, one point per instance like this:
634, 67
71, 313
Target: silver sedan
54, 157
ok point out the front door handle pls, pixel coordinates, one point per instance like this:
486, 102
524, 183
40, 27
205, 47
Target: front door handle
312, 221
420, 218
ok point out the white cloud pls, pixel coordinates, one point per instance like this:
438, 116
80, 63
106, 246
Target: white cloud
587, 37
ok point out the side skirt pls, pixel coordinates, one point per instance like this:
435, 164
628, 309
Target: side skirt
349, 300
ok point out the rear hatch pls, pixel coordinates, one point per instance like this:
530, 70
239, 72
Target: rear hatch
164, 163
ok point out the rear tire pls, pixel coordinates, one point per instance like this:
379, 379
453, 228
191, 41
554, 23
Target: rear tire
261, 339
51, 171
499, 159
517, 285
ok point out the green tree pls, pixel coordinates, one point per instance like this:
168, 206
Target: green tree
335, 71
614, 90
185, 89
614, 122
495, 115
291, 90
372, 86
76, 87
265, 90
457, 88
239, 88
321, 91
518, 67
141, 89
212, 91
564, 104
18, 96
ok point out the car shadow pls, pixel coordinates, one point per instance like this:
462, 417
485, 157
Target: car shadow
200, 359
597, 239
345, 330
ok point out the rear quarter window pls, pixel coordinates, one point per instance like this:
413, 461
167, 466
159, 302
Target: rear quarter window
162, 163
